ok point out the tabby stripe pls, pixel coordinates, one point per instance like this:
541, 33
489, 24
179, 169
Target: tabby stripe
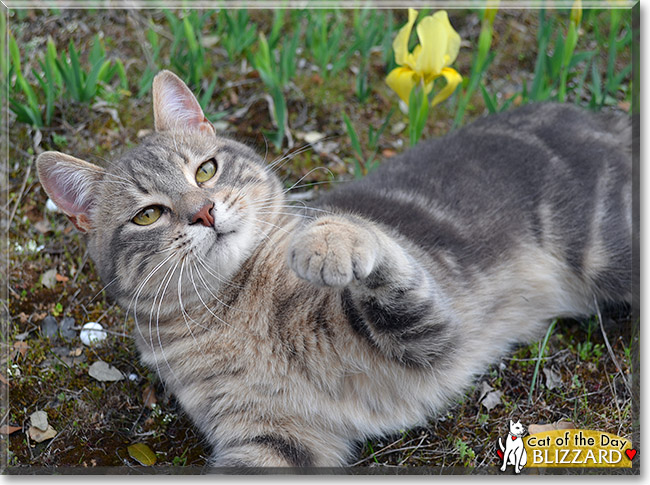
294, 453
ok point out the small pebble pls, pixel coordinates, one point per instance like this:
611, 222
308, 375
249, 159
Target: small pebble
66, 328
38, 419
51, 206
92, 333
133, 377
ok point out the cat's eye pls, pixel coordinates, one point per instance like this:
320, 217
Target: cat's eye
148, 215
206, 171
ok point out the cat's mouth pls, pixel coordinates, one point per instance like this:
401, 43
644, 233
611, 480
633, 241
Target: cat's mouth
222, 235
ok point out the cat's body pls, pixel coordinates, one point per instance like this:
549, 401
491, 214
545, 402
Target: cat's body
290, 335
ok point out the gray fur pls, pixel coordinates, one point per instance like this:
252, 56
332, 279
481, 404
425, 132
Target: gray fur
290, 335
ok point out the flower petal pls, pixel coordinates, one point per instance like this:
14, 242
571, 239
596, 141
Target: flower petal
401, 42
401, 80
433, 39
453, 79
453, 39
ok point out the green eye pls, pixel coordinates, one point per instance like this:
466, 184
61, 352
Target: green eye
148, 215
206, 171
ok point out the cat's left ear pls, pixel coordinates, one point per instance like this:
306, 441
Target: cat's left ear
72, 185
175, 107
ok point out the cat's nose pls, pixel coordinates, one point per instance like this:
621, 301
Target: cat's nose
203, 215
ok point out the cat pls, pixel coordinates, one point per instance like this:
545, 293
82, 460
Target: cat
289, 335
514, 452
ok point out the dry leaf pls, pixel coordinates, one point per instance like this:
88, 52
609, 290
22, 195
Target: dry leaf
48, 279
6, 429
540, 428
488, 397
102, 371
142, 453
553, 379
149, 396
492, 399
43, 226
60, 278
39, 436
21, 348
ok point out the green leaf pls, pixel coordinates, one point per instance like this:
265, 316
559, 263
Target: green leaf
142, 453
489, 102
354, 139
418, 113
191, 37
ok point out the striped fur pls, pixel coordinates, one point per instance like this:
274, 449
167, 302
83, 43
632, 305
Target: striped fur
289, 335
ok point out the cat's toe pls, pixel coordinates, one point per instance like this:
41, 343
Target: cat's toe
332, 254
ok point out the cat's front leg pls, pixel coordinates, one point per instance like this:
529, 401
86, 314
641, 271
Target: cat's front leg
334, 251
388, 295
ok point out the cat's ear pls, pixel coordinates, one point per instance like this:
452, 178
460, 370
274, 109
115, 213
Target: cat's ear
71, 184
175, 107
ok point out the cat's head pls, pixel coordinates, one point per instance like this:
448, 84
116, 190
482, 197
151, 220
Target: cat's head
174, 217
517, 429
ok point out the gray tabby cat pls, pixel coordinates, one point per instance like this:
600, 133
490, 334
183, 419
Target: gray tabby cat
289, 336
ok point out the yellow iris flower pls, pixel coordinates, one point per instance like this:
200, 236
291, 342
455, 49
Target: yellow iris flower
438, 48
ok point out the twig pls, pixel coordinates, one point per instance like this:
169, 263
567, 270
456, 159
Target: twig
414, 449
550, 357
22, 191
609, 348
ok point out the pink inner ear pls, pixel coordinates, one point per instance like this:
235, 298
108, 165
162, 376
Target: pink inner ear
181, 105
175, 107
70, 189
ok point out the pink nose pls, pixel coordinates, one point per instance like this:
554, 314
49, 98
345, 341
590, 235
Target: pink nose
204, 216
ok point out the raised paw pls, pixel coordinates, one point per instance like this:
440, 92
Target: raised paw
333, 252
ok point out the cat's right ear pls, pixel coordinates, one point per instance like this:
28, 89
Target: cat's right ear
71, 184
175, 107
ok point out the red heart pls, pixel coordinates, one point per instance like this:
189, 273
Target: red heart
514, 438
500, 453
630, 453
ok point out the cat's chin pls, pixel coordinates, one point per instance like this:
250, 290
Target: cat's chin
228, 252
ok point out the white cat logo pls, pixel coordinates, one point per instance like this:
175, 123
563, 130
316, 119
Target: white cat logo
514, 452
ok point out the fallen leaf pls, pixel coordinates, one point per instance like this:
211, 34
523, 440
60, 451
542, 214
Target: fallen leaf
48, 279
38, 420
43, 226
60, 278
40, 436
21, 348
553, 379
492, 399
488, 397
149, 396
142, 453
540, 428
313, 137
6, 429
66, 328
104, 372
75, 352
